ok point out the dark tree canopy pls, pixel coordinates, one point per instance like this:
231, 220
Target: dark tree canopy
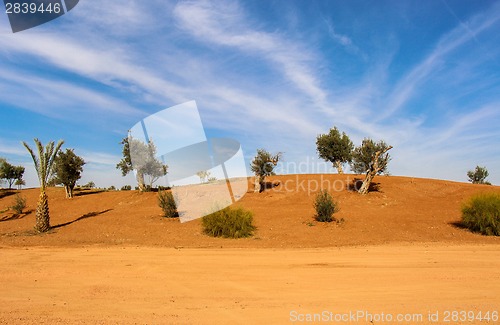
478, 176
363, 155
262, 166
335, 147
67, 170
10, 172
141, 157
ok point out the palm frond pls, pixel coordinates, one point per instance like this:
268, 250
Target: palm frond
36, 161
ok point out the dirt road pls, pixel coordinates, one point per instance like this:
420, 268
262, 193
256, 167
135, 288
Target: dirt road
138, 285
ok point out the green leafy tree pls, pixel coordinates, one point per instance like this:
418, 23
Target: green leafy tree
262, 166
371, 158
20, 183
10, 172
335, 147
67, 170
478, 176
141, 158
44, 161
2, 161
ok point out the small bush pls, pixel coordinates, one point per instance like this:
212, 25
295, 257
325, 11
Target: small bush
482, 214
19, 204
325, 207
166, 202
229, 223
126, 188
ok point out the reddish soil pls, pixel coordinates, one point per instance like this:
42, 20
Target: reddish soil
111, 258
404, 210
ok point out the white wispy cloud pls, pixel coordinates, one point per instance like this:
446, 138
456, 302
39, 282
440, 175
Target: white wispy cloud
224, 23
405, 88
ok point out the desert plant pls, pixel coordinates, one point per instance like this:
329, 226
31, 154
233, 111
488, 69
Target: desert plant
325, 207
10, 173
482, 214
262, 166
372, 159
478, 176
166, 201
335, 148
19, 204
67, 170
229, 223
141, 157
44, 162
126, 188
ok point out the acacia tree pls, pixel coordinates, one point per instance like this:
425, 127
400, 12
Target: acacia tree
478, 176
262, 166
44, 162
67, 170
141, 158
370, 158
335, 148
203, 175
10, 172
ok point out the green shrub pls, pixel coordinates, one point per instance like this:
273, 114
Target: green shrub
482, 214
166, 202
325, 207
19, 204
229, 223
126, 188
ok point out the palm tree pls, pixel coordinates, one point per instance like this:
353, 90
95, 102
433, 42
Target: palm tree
43, 166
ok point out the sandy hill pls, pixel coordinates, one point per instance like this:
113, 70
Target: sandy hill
403, 210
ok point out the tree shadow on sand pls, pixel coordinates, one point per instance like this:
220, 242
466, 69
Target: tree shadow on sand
15, 216
6, 192
85, 216
357, 182
87, 192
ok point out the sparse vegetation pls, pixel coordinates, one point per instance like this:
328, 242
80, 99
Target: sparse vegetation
325, 207
44, 162
335, 148
203, 175
19, 204
262, 166
229, 223
90, 185
478, 176
141, 157
166, 201
482, 214
67, 170
10, 173
371, 159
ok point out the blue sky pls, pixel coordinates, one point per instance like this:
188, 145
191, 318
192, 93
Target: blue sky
422, 75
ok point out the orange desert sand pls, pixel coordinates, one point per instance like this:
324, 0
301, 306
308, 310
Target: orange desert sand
113, 259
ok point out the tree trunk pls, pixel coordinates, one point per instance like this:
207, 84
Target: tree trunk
69, 191
140, 181
374, 169
258, 184
42, 213
338, 165
365, 187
